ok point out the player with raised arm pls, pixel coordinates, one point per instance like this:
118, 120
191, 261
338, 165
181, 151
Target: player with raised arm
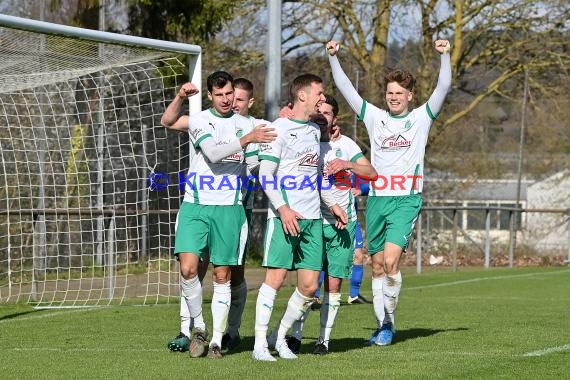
398, 138
339, 159
288, 174
211, 217
243, 100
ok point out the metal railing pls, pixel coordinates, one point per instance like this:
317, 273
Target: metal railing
513, 213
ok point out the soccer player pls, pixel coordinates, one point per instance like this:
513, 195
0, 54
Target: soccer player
340, 158
293, 241
243, 101
211, 217
398, 138
354, 296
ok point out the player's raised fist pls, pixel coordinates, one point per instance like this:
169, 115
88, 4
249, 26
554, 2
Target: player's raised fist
187, 89
442, 46
332, 47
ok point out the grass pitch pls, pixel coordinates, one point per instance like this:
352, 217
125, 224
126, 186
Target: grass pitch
495, 323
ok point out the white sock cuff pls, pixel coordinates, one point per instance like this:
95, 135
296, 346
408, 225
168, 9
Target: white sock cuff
334, 298
222, 288
267, 291
190, 283
297, 293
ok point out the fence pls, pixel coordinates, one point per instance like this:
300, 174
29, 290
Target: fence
479, 228
511, 226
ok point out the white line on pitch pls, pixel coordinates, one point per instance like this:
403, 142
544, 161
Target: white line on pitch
547, 351
484, 279
49, 315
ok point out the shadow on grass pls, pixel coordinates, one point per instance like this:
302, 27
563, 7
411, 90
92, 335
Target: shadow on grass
349, 344
17, 315
403, 335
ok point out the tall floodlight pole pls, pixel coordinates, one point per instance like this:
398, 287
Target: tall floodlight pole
517, 215
273, 60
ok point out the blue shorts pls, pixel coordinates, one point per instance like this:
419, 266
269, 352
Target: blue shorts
358, 240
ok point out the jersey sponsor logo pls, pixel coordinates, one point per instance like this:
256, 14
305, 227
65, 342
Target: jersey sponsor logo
308, 159
236, 157
265, 148
395, 143
195, 132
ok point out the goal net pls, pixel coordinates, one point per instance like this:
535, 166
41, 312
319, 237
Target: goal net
80, 134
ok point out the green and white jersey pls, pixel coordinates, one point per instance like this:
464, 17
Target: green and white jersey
248, 195
398, 148
345, 149
296, 150
219, 183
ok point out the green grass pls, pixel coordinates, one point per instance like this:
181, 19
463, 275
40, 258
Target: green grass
469, 324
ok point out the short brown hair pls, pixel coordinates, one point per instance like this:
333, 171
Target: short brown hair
301, 82
218, 79
403, 77
244, 84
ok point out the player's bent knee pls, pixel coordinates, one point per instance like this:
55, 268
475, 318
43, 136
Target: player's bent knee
188, 273
391, 266
307, 291
221, 274
377, 269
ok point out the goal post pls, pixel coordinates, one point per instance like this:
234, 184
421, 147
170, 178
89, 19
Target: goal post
80, 134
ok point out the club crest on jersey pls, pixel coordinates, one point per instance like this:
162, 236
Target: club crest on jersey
408, 125
337, 152
239, 132
316, 137
395, 143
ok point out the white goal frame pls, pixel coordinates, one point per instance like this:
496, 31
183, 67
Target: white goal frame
105, 294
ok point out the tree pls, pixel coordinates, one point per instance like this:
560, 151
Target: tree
361, 26
191, 21
499, 37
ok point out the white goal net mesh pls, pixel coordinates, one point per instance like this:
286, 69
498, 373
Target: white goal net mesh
79, 135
